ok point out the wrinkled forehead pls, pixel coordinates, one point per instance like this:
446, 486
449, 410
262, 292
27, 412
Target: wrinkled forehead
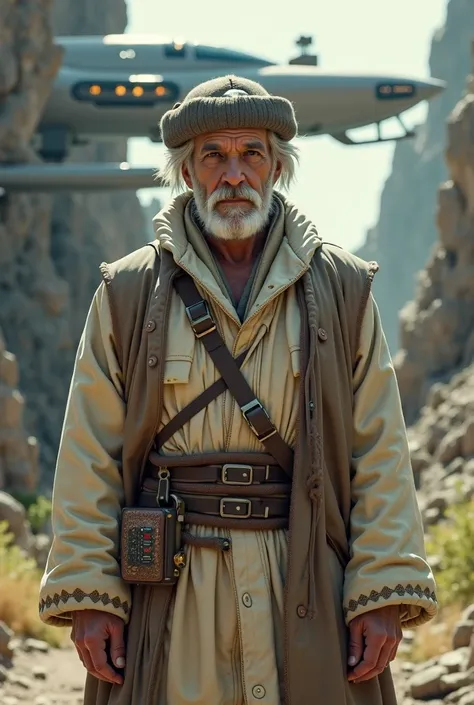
232, 139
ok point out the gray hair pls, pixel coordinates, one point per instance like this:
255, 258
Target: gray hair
284, 152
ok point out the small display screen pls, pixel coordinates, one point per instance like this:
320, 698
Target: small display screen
140, 545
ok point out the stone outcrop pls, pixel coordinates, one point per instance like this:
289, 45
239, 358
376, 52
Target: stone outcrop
405, 234
28, 63
18, 451
437, 327
50, 247
442, 446
14, 514
445, 679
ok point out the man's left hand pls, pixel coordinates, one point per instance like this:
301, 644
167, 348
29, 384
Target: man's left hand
373, 643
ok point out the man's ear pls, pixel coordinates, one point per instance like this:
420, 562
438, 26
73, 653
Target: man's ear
186, 176
277, 172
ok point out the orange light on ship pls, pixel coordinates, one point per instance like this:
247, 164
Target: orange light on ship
160, 90
95, 90
120, 90
137, 91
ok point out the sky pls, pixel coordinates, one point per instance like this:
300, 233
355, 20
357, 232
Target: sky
338, 187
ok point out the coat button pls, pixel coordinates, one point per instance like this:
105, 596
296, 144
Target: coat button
151, 325
246, 599
258, 691
301, 611
152, 360
322, 335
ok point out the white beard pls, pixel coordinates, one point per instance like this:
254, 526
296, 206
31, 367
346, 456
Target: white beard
236, 222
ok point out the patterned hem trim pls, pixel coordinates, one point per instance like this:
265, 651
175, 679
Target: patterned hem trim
79, 595
386, 593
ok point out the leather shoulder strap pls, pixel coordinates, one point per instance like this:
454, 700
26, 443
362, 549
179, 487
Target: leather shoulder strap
193, 408
253, 411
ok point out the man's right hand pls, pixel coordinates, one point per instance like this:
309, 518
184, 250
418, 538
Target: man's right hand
91, 630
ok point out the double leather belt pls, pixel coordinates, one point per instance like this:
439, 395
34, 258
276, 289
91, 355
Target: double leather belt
248, 491
230, 474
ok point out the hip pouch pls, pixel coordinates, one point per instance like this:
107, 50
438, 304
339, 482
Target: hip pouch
150, 543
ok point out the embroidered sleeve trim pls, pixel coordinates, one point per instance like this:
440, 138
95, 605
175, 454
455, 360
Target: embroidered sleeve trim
386, 593
79, 595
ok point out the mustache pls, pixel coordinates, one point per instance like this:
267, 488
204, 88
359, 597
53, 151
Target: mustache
228, 192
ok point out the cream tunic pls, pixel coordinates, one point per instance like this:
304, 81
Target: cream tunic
225, 631
223, 641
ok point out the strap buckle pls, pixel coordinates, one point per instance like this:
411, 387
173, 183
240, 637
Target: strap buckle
200, 318
258, 419
232, 508
244, 474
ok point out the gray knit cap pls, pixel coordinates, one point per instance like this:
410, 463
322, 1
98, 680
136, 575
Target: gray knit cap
224, 103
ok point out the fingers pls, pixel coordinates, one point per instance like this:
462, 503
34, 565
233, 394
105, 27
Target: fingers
356, 642
96, 647
380, 650
374, 643
381, 664
117, 645
91, 645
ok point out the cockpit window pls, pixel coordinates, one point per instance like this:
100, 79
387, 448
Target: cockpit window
175, 50
208, 53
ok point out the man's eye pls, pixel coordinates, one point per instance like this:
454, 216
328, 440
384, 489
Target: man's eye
213, 155
253, 154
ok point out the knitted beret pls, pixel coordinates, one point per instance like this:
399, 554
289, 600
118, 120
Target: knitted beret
224, 103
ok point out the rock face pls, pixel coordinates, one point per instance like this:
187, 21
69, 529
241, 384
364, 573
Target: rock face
437, 328
448, 678
28, 62
50, 247
442, 446
405, 233
18, 451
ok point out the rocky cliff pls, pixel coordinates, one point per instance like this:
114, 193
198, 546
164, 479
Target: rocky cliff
437, 328
50, 247
28, 63
405, 232
435, 366
436, 374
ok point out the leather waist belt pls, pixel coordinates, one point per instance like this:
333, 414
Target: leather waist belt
238, 507
248, 512
239, 474
229, 490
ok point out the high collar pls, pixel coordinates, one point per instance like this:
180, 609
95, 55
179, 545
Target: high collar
291, 243
170, 230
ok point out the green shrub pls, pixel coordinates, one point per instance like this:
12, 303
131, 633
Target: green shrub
38, 514
451, 542
19, 587
38, 509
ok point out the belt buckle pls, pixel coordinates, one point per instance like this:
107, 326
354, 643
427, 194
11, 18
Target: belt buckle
239, 502
201, 307
229, 466
256, 405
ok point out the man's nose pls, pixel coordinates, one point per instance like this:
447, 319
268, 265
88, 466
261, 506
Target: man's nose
233, 174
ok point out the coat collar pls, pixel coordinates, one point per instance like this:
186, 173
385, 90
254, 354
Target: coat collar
291, 243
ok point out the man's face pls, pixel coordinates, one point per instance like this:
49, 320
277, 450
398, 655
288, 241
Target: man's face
232, 173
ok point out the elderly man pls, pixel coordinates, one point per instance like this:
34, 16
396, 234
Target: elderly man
233, 379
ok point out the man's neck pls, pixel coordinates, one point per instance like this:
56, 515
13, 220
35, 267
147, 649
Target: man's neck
240, 253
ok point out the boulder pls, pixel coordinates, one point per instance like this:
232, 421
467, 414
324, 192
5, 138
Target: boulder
462, 634
14, 514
